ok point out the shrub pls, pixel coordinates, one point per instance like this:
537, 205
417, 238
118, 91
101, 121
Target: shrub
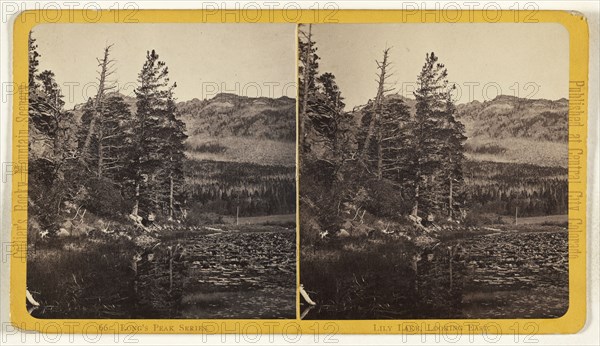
563, 224
386, 199
104, 198
198, 216
474, 219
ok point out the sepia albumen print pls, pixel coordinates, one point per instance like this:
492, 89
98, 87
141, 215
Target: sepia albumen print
433, 171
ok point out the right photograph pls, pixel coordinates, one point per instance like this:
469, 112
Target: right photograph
433, 165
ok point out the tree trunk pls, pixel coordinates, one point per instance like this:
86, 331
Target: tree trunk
170, 271
379, 155
136, 204
450, 199
171, 196
100, 153
56, 141
450, 267
415, 210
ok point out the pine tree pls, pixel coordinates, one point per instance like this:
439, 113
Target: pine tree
395, 140
438, 141
452, 159
33, 62
322, 116
46, 103
391, 146
329, 122
173, 156
50, 125
327, 86
159, 135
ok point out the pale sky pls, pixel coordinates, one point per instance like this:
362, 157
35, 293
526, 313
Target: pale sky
496, 56
204, 59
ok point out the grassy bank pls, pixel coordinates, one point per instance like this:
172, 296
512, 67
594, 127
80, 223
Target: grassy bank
285, 219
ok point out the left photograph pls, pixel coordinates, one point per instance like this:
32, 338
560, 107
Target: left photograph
161, 177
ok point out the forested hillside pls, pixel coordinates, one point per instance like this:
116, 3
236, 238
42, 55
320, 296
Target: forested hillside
506, 188
518, 155
226, 188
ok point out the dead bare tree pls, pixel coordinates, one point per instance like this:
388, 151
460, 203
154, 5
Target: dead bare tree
106, 70
382, 77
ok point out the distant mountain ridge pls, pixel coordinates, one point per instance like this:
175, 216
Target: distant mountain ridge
233, 115
235, 128
510, 116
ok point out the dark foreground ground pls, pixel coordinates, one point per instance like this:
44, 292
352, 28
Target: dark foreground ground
223, 272
500, 273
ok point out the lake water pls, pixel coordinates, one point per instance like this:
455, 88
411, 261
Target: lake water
240, 275
507, 274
